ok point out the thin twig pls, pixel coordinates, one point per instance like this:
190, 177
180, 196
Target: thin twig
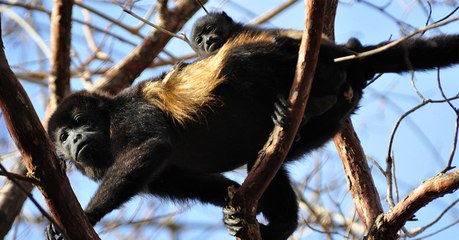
456, 111
106, 17
419, 230
179, 36
416, 90
202, 6
29, 29
273, 12
19, 177
389, 157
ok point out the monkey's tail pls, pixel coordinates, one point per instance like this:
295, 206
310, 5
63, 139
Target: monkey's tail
415, 54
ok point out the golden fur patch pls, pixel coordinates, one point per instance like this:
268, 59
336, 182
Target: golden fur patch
184, 92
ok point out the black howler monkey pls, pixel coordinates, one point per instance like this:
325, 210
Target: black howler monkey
175, 135
211, 31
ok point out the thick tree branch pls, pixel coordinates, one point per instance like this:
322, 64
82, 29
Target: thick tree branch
278, 145
39, 156
60, 65
356, 169
61, 26
59, 85
358, 174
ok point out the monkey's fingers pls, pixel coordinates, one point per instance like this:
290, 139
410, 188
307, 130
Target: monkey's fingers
281, 115
232, 219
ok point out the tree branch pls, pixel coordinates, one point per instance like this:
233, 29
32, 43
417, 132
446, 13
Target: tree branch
388, 224
12, 199
358, 175
39, 156
123, 74
360, 181
278, 145
61, 25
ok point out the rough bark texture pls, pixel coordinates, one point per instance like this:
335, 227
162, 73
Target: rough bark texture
358, 174
59, 85
388, 224
61, 31
38, 155
117, 78
360, 181
278, 145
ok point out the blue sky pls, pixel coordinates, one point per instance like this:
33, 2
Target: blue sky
422, 145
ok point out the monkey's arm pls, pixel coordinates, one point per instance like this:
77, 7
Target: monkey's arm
127, 176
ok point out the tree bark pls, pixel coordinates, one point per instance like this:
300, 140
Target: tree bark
280, 140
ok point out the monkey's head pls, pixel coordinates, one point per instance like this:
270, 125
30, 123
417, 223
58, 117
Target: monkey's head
210, 32
80, 130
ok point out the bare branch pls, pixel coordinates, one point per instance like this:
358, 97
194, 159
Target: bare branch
389, 158
360, 181
59, 78
39, 156
29, 29
123, 74
106, 17
11, 200
390, 223
273, 12
165, 31
275, 150
17, 176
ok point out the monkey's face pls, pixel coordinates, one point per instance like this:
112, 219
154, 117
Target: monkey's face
80, 131
211, 32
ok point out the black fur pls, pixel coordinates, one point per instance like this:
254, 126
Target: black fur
210, 32
143, 150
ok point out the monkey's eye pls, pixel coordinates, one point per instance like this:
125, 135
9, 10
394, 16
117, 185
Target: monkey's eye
63, 137
208, 28
199, 40
80, 118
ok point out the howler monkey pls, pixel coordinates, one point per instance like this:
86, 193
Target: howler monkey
211, 31
175, 135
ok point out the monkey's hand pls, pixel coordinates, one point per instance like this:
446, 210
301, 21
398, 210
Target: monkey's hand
51, 233
233, 220
316, 107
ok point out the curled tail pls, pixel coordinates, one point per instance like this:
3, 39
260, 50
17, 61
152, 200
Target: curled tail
413, 54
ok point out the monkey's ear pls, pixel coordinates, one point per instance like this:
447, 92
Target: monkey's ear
354, 44
228, 18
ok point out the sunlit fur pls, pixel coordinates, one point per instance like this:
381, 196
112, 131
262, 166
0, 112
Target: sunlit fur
184, 93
